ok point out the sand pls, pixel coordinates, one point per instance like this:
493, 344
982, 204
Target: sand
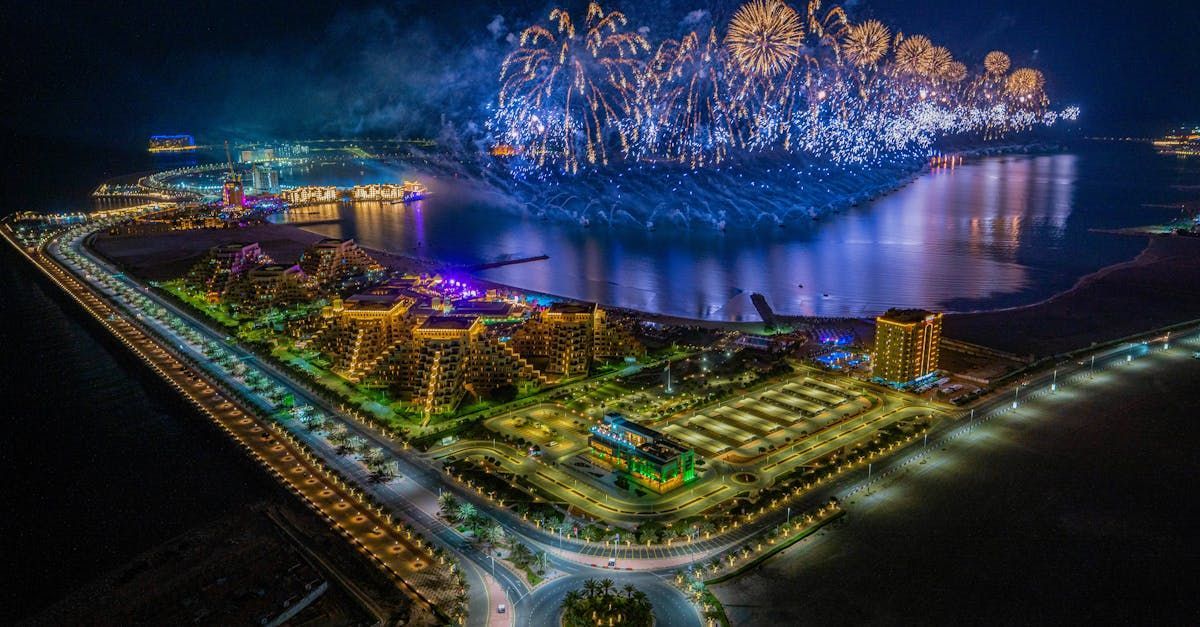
1072, 510
1159, 287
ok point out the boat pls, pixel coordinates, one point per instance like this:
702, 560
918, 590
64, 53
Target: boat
412, 191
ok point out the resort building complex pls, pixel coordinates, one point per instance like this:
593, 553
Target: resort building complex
267, 286
567, 337
906, 344
337, 264
431, 341
212, 274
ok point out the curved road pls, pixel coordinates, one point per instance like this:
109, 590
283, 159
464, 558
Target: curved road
413, 496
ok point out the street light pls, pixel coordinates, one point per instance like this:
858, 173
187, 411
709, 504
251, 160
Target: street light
1054, 382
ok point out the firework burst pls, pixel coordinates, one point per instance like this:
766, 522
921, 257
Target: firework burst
996, 63
564, 92
914, 55
866, 44
691, 115
577, 93
764, 37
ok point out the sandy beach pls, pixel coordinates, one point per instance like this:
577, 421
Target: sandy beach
1068, 511
1161, 286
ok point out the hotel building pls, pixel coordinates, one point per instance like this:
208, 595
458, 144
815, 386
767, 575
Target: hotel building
650, 458
567, 337
363, 330
213, 273
336, 264
449, 356
269, 285
310, 194
906, 344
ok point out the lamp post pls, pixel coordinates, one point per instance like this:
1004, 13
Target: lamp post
1054, 382
1092, 368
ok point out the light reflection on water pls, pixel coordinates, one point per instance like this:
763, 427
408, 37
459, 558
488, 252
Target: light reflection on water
1002, 231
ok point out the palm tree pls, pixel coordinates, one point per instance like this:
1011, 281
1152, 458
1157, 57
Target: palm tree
493, 533
571, 603
475, 521
606, 585
465, 512
541, 561
448, 503
591, 588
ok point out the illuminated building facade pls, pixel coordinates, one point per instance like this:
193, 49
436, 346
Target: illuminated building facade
408, 190
214, 272
440, 359
257, 154
232, 192
266, 286
449, 356
650, 458
567, 337
906, 344
310, 194
264, 180
364, 329
172, 143
336, 264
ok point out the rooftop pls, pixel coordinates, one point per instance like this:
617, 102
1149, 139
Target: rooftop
482, 308
378, 298
447, 323
572, 308
905, 316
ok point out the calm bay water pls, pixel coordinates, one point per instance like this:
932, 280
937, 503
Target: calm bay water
997, 232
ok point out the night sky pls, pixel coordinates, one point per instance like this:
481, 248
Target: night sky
114, 73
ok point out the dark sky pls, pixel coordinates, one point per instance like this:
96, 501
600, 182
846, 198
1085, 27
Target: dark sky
114, 73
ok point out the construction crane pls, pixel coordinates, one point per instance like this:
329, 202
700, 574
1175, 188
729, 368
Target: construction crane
228, 159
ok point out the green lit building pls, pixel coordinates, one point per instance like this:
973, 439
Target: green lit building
650, 458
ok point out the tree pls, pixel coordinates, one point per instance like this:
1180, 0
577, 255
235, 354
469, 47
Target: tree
448, 503
541, 561
465, 512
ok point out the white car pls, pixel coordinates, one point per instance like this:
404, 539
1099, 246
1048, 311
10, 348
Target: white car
500, 609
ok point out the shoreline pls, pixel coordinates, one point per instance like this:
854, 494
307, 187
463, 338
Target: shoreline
1162, 271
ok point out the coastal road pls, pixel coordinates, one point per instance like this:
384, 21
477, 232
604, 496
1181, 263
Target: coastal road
409, 496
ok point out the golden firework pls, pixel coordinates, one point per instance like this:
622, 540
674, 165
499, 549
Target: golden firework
940, 61
865, 44
1025, 82
914, 55
996, 62
764, 37
955, 72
